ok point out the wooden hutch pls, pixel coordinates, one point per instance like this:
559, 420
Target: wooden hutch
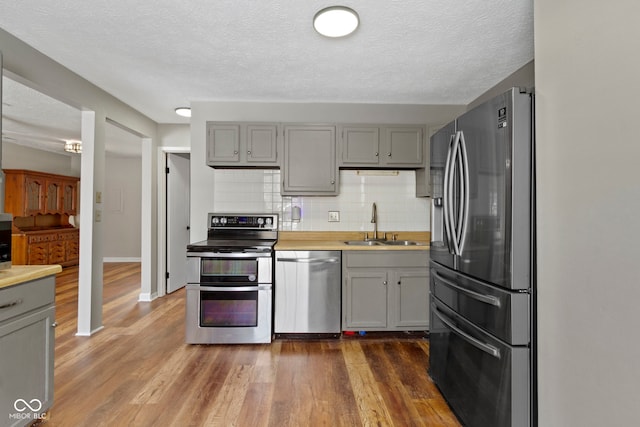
41, 204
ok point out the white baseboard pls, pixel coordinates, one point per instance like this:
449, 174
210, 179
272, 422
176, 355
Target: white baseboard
147, 297
85, 334
122, 259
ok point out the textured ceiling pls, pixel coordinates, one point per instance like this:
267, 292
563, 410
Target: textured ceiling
161, 54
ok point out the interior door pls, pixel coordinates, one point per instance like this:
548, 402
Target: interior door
177, 220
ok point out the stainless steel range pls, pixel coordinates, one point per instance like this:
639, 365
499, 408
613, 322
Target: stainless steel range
230, 280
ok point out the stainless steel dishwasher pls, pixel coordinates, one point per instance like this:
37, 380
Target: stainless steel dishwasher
307, 292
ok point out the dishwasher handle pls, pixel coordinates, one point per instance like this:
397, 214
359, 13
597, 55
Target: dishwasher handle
310, 260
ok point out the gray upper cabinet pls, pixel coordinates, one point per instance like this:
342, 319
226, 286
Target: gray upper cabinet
386, 146
309, 166
423, 175
242, 144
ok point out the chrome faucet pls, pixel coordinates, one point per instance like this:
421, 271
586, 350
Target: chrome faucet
374, 220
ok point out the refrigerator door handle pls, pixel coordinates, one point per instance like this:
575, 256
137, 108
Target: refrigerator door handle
487, 299
447, 199
465, 192
459, 172
449, 195
487, 348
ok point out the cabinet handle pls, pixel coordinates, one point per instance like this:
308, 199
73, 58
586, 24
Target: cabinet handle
377, 154
54, 325
249, 152
235, 151
399, 282
11, 304
384, 283
389, 155
333, 181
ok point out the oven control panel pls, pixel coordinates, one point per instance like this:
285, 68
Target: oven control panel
244, 221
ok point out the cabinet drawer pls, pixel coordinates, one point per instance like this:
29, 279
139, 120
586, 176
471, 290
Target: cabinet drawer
38, 238
24, 297
371, 259
71, 235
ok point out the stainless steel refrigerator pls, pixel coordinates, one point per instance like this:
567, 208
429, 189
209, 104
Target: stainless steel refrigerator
482, 337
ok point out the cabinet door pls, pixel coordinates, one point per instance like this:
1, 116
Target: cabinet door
409, 300
53, 198
423, 175
309, 161
57, 252
38, 253
365, 299
72, 252
403, 146
34, 195
262, 144
26, 371
360, 146
223, 143
69, 197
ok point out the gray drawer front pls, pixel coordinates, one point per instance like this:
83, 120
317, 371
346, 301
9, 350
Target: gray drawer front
24, 297
372, 259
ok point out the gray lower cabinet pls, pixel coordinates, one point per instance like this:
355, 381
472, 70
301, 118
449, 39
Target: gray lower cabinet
242, 144
385, 290
27, 316
387, 146
309, 166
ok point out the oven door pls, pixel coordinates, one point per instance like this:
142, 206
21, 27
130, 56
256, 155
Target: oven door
238, 268
228, 314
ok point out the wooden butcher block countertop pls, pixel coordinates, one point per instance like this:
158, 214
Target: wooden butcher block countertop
24, 273
335, 241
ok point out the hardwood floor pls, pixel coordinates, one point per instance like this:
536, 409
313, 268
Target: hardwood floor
138, 371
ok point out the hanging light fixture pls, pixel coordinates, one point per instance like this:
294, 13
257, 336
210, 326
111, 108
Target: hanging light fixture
73, 147
336, 21
183, 111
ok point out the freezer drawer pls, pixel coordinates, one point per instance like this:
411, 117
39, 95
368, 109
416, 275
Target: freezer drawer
307, 292
503, 313
484, 380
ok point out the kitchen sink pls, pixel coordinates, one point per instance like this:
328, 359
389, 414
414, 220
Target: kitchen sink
382, 243
363, 242
401, 243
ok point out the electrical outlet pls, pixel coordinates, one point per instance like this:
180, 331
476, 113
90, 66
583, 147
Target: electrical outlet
98, 216
98, 196
334, 216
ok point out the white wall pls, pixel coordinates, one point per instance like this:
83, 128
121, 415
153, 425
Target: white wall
122, 208
203, 181
587, 67
16, 156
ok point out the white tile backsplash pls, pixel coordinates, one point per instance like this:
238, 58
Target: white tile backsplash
248, 190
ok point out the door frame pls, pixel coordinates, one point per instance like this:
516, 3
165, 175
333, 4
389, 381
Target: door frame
163, 152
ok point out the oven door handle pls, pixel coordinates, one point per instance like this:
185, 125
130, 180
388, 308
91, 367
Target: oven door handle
265, 287
226, 255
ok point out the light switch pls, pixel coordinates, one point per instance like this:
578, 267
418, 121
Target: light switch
98, 196
98, 216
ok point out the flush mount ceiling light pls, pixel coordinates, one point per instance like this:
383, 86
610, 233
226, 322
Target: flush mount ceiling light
73, 147
183, 111
336, 21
